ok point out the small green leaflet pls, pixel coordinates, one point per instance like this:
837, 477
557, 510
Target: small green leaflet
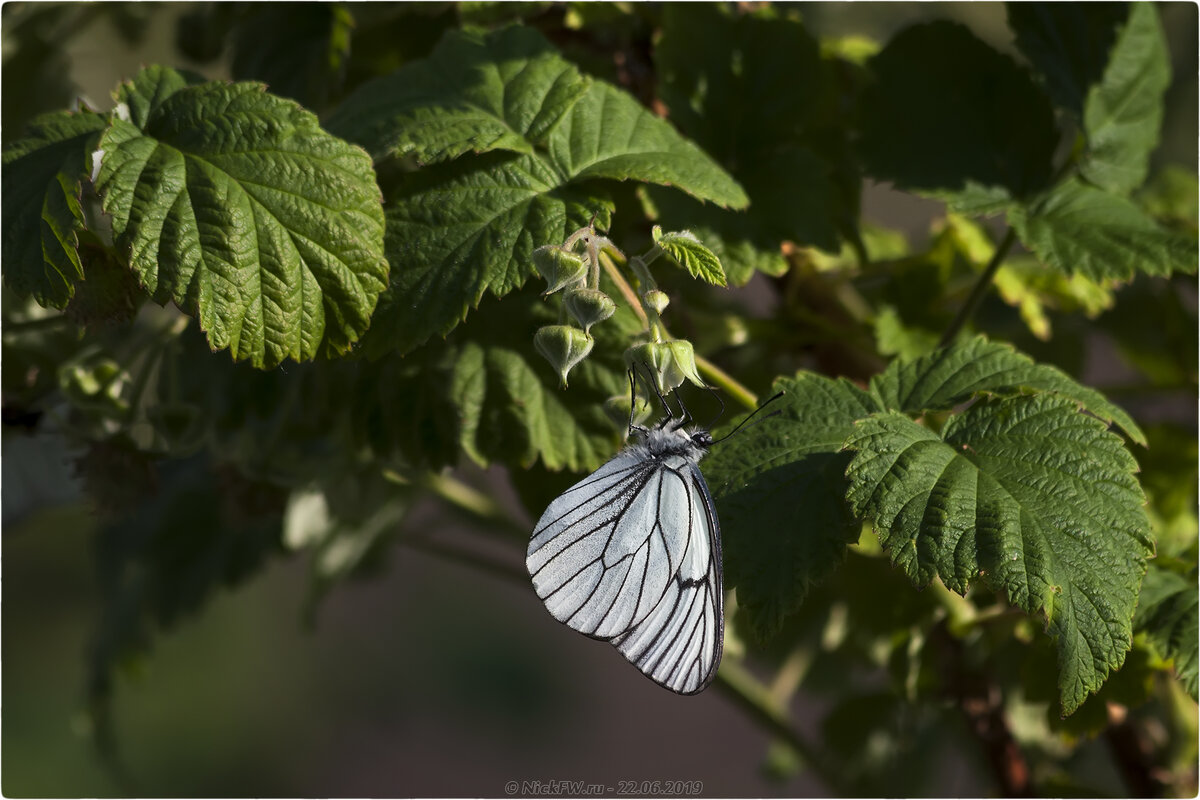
1076, 227
1026, 493
953, 375
234, 204
1123, 112
42, 216
761, 476
687, 251
458, 229
1167, 612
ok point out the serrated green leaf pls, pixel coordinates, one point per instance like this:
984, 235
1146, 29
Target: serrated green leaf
43, 177
689, 252
1167, 612
1123, 112
608, 134
1038, 500
1068, 44
761, 476
753, 90
1078, 228
926, 125
142, 97
459, 230
234, 204
475, 92
971, 367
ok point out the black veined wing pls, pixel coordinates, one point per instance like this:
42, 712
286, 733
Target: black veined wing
632, 555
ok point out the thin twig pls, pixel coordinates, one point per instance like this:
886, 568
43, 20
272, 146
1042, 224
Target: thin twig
981, 288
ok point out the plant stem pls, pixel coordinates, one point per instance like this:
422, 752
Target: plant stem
981, 288
623, 287
460, 555
468, 499
755, 699
38, 324
723, 379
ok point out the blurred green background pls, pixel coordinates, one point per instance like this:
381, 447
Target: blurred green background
431, 680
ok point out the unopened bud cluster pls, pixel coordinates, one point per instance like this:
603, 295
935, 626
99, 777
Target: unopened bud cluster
661, 363
564, 345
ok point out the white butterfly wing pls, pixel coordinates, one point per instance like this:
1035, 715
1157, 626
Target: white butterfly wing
679, 644
631, 554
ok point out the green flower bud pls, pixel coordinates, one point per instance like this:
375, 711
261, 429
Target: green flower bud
563, 346
656, 300
671, 363
559, 267
589, 306
617, 409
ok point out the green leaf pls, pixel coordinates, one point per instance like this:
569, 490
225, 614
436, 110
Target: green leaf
971, 367
753, 90
234, 204
42, 216
475, 92
300, 50
1038, 500
1068, 44
764, 474
507, 398
458, 230
689, 252
1123, 112
928, 125
1167, 612
608, 134
1024, 283
1079, 228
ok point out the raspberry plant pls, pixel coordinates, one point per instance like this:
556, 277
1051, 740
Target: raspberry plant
273, 313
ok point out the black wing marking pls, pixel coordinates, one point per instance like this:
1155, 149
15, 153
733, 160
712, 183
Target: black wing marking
632, 555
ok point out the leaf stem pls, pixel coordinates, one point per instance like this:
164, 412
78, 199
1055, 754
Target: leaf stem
623, 287
981, 288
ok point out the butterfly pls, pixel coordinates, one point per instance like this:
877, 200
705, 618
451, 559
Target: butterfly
631, 555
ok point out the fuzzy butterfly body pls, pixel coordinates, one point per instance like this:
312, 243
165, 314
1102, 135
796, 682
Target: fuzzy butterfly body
631, 555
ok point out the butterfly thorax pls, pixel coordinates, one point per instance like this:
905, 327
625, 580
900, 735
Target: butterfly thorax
673, 440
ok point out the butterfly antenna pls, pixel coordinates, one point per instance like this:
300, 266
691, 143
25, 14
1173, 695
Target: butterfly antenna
720, 413
753, 414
